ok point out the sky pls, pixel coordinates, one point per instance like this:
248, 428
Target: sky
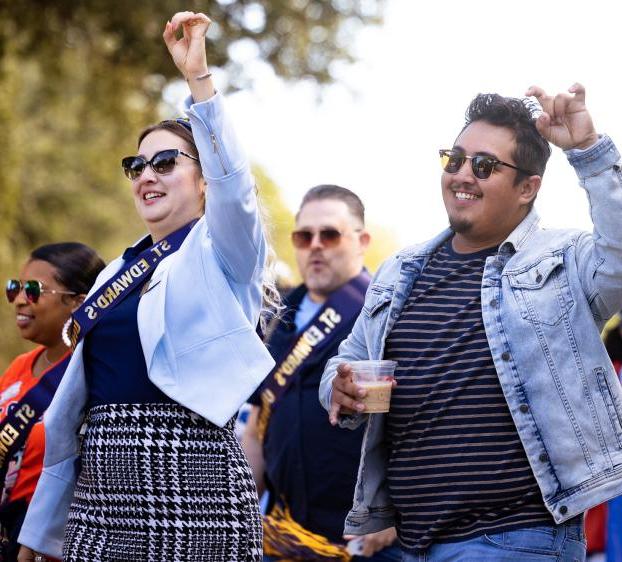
378, 131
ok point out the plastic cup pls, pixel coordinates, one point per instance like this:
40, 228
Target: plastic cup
376, 377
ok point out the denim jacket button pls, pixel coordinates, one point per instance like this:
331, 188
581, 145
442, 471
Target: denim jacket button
505, 356
494, 303
544, 457
563, 510
524, 408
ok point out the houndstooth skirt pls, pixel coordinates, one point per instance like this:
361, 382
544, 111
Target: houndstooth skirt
160, 483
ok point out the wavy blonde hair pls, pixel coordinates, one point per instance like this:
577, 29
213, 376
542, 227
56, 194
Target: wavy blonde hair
272, 304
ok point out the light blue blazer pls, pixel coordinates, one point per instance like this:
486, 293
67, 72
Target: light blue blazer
196, 321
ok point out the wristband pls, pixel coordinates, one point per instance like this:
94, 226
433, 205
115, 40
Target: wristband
202, 77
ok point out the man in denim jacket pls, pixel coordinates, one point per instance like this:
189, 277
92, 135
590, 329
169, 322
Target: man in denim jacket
506, 420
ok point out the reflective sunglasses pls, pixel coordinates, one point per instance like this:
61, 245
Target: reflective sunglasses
483, 166
329, 237
32, 288
162, 163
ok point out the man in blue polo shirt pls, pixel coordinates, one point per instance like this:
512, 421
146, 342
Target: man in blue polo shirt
308, 465
506, 421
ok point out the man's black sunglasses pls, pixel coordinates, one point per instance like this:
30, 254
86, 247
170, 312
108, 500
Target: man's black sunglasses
483, 166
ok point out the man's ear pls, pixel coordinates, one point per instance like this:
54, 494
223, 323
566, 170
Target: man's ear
529, 188
364, 239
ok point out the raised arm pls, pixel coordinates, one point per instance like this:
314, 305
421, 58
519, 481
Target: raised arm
566, 122
231, 211
188, 52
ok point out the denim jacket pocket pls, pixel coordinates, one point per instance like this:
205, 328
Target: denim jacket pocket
542, 291
612, 402
375, 315
378, 297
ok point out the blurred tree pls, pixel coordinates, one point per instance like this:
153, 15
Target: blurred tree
296, 37
383, 244
80, 78
280, 222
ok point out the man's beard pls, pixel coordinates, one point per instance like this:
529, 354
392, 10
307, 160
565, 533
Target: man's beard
460, 226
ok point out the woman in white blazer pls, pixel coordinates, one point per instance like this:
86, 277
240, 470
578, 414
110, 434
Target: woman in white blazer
166, 352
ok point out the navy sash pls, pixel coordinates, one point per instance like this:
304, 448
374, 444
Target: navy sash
120, 286
22, 416
343, 306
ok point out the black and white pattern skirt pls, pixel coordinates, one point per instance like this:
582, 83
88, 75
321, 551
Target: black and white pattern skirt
160, 483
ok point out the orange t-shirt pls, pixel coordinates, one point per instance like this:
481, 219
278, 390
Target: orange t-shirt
26, 465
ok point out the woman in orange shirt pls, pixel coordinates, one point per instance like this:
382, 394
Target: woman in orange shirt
52, 283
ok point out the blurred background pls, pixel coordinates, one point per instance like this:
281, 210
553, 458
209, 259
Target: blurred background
356, 92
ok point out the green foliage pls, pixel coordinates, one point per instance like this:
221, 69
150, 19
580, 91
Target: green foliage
80, 78
279, 222
296, 37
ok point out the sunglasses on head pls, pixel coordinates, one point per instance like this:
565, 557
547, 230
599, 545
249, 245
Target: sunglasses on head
483, 166
329, 237
32, 288
162, 162
184, 121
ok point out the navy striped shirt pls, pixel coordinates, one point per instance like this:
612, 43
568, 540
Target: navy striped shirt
457, 468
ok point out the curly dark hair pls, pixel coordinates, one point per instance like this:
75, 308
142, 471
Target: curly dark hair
532, 150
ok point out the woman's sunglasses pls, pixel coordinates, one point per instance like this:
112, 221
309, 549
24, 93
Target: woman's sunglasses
32, 288
482, 166
162, 162
329, 238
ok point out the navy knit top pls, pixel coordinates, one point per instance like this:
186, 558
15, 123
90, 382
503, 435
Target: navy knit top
115, 368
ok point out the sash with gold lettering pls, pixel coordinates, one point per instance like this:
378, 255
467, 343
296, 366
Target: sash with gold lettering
129, 278
22, 415
341, 308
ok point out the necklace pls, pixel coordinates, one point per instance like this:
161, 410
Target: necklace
46, 359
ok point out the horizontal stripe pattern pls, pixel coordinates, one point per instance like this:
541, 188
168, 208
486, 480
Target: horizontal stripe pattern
457, 468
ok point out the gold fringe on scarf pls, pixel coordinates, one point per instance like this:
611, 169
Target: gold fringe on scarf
288, 541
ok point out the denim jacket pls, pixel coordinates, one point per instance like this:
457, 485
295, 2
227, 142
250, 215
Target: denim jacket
545, 297
196, 321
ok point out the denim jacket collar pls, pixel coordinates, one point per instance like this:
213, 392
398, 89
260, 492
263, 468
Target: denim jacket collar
520, 235
513, 243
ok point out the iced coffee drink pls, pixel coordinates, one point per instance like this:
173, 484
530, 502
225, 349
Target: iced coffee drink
376, 377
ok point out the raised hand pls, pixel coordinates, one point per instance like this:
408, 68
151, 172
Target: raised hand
565, 120
188, 52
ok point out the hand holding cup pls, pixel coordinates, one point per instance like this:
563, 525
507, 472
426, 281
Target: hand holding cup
362, 387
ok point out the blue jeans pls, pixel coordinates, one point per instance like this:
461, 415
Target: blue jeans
389, 554
563, 543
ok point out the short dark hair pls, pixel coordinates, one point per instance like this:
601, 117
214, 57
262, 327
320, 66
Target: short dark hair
532, 150
77, 265
328, 191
